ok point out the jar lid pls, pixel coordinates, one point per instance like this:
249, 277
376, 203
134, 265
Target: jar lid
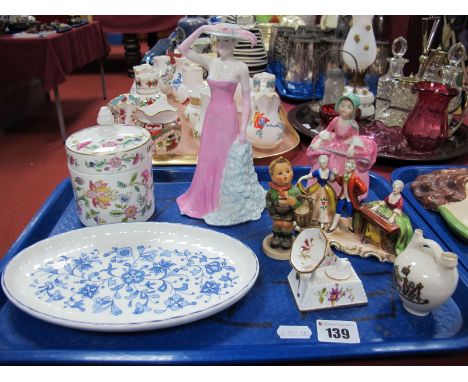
107, 138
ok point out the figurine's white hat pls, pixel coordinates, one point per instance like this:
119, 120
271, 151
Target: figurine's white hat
233, 31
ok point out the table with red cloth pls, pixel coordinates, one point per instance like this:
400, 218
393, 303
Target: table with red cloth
137, 24
130, 26
51, 58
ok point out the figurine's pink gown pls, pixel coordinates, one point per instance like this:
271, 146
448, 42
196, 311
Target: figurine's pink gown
365, 156
224, 166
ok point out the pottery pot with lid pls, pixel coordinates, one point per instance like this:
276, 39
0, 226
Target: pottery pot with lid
110, 169
424, 275
146, 79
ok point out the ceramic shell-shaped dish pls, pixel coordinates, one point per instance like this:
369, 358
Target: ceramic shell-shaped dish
110, 168
310, 250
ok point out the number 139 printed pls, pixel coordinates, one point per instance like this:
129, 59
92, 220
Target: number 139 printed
337, 331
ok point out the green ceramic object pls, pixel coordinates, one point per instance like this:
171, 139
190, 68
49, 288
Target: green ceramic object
453, 221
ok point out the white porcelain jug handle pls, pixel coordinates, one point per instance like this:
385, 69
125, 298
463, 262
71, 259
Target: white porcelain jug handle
435, 249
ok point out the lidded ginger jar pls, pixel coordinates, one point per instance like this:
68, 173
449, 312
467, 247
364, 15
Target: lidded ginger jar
110, 169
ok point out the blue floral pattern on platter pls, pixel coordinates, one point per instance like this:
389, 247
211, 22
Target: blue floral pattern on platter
136, 280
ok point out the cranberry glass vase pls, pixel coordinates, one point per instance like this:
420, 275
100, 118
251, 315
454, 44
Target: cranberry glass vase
426, 127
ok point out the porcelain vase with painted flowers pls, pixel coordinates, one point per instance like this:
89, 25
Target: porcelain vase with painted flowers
165, 72
177, 77
111, 175
265, 129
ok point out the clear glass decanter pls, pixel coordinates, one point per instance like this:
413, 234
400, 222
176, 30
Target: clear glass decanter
389, 80
452, 74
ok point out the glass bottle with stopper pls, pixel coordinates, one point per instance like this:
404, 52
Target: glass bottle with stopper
389, 80
452, 74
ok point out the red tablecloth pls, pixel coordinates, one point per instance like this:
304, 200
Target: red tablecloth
137, 24
50, 59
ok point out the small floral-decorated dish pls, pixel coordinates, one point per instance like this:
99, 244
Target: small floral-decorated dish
130, 277
124, 107
309, 250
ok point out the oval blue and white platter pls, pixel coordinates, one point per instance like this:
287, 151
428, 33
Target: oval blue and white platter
130, 276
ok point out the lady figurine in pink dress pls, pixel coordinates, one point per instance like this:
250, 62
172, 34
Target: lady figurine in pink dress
341, 141
224, 188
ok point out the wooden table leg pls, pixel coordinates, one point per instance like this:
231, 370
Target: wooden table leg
103, 80
58, 107
132, 51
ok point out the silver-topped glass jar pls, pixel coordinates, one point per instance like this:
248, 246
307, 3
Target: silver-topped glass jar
402, 100
110, 169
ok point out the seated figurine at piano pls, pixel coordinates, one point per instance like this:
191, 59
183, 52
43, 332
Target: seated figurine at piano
384, 223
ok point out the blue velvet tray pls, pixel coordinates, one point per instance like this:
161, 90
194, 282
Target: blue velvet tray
245, 332
443, 232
